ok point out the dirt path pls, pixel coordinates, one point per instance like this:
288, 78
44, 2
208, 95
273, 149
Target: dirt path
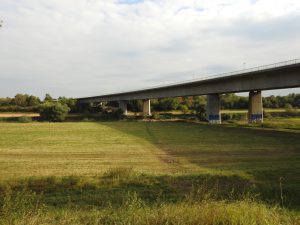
10, 115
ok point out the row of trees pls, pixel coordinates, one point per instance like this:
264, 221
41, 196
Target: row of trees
227, 101
50, 109
57, 109
169, 104
232, 101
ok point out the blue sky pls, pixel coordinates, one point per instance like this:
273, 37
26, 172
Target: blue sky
81, 48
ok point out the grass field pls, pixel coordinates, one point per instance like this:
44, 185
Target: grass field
151, 170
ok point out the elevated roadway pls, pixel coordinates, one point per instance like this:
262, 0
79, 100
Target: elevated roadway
254, 80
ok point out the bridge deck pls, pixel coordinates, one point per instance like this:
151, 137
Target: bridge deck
268, 77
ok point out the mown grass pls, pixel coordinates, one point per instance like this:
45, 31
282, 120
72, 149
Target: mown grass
176, 173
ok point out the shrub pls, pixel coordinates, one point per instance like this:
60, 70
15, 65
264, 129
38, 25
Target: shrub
267, 114
54, 112
226, 116
24, 119
155, 116
184, 109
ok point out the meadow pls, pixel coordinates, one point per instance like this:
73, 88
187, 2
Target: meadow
138, 172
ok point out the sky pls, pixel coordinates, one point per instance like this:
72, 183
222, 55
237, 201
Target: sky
79, 48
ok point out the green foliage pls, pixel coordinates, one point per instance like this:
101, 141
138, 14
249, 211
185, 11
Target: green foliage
281, 101
232, 101
20, 100
33, 101
70, 102
135, 105
289, 109
184, 109
234, 116
165, 104
48, 98
54, 112
14, 108
25, 119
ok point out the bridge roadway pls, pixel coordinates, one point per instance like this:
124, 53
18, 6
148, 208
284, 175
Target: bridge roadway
253, 80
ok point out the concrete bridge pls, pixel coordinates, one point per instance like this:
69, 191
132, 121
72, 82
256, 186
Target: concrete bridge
253, 80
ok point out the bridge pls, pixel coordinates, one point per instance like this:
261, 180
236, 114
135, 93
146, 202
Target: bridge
253, 80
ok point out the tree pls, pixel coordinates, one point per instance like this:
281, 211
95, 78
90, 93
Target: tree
20, 100
184, 109
54, 111
48, 98
33, 101
169, 103
70, 102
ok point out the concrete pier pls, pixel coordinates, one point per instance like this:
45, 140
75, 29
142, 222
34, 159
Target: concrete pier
255, 111
146, 107
213, 109
123, 107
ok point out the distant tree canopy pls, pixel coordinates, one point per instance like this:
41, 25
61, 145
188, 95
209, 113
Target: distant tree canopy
31, 103
21, 102
281, 101
232, 101
48, 98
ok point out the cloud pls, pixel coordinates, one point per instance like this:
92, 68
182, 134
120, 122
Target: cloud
89, 47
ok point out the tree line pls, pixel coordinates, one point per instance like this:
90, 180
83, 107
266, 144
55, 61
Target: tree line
30, 103
57, 109
227, 101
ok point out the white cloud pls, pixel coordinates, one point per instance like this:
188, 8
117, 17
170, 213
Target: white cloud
89, 47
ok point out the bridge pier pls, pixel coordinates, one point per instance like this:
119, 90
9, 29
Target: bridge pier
213, 109
123, 107
146, 107
255, 110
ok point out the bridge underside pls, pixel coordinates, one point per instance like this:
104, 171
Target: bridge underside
252, 82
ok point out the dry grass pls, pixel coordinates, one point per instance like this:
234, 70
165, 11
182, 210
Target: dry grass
14, 115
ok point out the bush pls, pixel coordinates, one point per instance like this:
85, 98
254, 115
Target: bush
54, 112
184, 109
226, 116
155, 116
267, 114
24, 119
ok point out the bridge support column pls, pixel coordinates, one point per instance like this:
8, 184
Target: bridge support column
255, 110
213, 109
123, 107
146, 107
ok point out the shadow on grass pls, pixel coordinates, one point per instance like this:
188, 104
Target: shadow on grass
265, 155
114, 187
